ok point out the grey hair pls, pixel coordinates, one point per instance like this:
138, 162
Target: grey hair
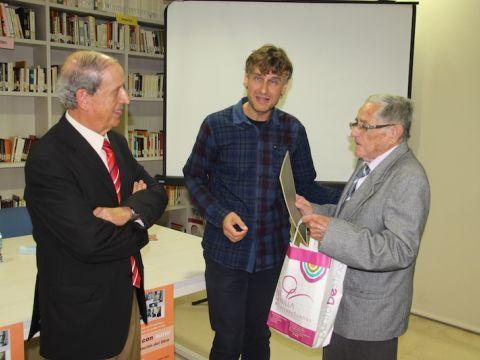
394, 110
81, 70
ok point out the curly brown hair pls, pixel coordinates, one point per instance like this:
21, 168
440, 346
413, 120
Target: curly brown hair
269, 59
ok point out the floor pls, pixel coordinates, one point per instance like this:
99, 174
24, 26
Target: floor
424, 340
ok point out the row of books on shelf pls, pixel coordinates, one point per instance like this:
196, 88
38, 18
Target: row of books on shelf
145, 85
113, 6
18, 22
147, 41
10, 202
178, 227
73, 29
194, 227
144, 143
15, 149
147, 9
18, 76
173, 194
81, 4
87, 31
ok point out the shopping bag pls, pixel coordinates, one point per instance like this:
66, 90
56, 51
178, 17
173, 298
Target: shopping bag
307, 295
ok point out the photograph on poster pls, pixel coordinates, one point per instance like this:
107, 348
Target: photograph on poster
3, 338
4, 345
155, 305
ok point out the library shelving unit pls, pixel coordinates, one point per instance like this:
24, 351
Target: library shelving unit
180, 214
32, 113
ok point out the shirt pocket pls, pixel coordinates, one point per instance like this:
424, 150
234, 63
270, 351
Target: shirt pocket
278, 154
237, 156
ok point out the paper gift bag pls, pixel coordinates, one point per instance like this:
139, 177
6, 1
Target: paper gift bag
307, 295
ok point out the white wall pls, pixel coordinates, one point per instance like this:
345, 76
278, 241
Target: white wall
340, 53
445, 137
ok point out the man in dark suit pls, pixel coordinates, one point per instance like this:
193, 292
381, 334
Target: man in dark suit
91, 204
375, 230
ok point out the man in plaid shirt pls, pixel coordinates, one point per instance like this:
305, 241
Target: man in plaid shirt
232, 177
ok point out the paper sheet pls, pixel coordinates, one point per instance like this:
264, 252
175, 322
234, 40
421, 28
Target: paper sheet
288, 188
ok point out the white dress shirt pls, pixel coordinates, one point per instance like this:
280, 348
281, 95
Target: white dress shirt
374, 163
93, 138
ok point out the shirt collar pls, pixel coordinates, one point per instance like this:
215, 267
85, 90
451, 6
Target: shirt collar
240, 117
375, 162
93, 138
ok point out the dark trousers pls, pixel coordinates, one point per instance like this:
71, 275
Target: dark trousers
239, 303
341, 348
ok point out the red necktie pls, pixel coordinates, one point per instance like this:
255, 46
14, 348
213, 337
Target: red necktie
117, 183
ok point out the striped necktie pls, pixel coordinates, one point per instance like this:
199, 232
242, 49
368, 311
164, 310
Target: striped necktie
117, 183
362, 172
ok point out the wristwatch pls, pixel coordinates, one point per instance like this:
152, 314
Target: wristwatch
135, 216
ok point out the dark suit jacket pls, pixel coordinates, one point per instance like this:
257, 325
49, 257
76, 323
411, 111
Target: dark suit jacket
83, 294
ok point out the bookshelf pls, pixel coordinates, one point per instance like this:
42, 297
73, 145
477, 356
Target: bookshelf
180, 214
33, 113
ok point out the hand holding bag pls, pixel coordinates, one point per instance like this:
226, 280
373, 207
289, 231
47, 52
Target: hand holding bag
307, 295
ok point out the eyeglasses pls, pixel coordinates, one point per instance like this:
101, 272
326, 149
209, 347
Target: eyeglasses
364, 126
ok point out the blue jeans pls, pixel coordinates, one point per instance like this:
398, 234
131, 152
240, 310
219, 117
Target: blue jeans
239, 303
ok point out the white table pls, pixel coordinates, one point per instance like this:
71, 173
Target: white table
175, 258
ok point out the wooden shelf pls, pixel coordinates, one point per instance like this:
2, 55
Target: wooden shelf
30, 42
146, 99
8, 165
58, 45
176, 207
144, 55
22, 93
83, 11
150, 158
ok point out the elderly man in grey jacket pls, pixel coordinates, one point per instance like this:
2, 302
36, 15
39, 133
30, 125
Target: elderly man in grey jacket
375, 230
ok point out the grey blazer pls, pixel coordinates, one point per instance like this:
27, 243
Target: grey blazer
377, 235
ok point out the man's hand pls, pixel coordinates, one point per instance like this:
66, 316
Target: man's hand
303, 205
138, 185
317, 224
234, 228
118, 216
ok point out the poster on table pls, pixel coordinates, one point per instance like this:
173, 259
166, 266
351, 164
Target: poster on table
157, 336
11, 342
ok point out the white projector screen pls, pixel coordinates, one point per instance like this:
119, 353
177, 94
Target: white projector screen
341, 53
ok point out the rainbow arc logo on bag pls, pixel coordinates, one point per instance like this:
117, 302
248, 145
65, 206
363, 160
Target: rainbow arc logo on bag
311, 272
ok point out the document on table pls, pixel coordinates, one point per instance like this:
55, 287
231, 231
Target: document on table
288, 188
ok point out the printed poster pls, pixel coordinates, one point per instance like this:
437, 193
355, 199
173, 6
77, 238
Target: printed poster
157, 341
11, 342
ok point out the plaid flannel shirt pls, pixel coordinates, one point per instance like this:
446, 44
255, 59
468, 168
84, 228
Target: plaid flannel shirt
234, 166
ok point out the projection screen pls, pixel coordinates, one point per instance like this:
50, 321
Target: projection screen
341, 53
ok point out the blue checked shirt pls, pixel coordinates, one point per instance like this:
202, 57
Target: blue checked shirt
234, 166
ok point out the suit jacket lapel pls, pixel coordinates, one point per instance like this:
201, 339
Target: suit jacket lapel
371, 183
84, 152
346, 188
